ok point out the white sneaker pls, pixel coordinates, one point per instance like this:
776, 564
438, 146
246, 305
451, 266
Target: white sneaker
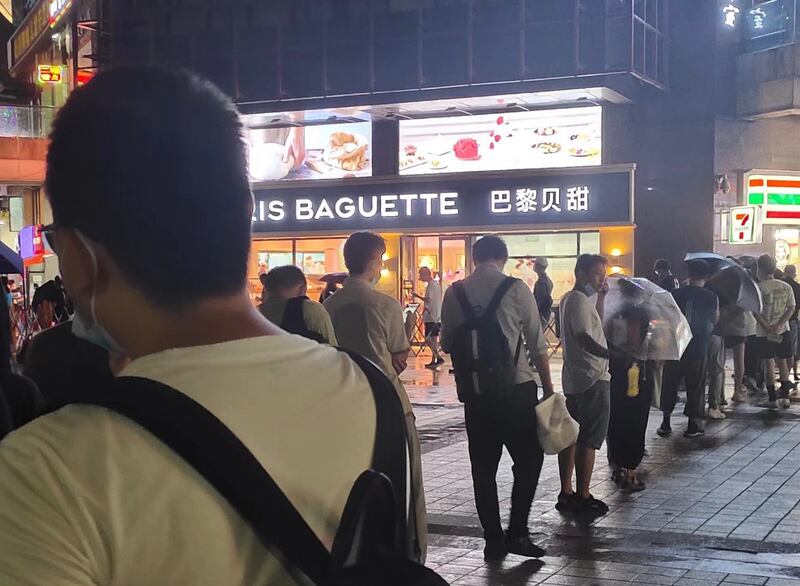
740, 397
794, 394
715, 414
784, 403
768, 404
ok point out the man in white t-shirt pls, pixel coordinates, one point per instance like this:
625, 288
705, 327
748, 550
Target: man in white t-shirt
773, 340
145, 200
431, 314
586, 381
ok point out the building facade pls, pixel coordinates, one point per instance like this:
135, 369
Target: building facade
569, 126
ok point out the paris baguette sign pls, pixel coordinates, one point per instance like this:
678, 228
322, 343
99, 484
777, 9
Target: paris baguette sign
592, 198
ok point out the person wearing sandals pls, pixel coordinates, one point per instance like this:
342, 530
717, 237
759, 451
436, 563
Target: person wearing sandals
632, 384
586, 382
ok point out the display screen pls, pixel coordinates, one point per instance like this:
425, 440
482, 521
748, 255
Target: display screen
326, 151
496, 142
30, 242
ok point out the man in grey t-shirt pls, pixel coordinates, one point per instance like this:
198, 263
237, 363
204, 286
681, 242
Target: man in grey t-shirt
586, 381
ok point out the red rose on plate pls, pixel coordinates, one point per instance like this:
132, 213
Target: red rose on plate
466, 148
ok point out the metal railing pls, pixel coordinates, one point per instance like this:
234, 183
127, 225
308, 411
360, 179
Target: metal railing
26, 121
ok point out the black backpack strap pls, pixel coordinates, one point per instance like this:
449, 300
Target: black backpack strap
293, 320
466, 308
501, 291
214, 451
391, 453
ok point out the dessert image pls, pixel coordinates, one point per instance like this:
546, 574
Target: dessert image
545, 131
548, 148
466, 149
346, 151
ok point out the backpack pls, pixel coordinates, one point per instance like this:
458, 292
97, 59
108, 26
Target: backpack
373, 544
294, 322
482, 359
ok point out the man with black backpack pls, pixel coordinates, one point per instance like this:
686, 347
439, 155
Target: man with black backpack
225, 452
287, 305
490, 328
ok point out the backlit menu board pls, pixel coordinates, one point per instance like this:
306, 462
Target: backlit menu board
540, 139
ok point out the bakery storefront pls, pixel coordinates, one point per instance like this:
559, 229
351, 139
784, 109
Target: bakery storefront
433, 221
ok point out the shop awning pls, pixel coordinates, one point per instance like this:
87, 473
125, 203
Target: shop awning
10, 261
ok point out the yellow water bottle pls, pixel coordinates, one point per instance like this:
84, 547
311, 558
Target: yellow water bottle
633, 380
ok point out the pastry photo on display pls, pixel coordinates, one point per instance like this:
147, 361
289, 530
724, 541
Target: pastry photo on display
317, 151
539, 139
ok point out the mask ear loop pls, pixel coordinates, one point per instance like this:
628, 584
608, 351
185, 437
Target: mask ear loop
96, 270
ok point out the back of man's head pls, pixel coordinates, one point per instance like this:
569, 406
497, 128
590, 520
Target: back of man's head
360, 249
662, 265
766, 265
790, 271
698, 270
150, 163
587, 262
283, 281
490, 248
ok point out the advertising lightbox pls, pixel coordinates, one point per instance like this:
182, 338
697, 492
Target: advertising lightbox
541, 139
328, 151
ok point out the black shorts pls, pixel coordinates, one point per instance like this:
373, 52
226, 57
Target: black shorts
765, 349
432, 329
733, 341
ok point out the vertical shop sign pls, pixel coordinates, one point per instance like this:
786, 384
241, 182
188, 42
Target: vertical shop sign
745, 225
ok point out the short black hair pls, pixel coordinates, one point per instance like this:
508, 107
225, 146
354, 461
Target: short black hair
586, 262
698, 269
489, 248
662, 264
767, 264
151, 163
360, 248
282, 278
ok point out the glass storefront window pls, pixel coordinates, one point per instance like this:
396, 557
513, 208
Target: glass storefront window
590, 243
560, 244
317, 258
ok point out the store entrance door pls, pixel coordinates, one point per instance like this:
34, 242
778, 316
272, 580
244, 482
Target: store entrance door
446, 256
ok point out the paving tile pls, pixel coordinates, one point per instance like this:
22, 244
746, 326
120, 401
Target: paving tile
738, 579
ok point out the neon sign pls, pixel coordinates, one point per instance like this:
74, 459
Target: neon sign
49, 73
58, 8
730, 12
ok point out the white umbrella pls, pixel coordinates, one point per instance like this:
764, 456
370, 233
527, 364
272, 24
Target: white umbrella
643, 320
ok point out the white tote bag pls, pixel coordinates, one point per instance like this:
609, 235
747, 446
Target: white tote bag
557, 430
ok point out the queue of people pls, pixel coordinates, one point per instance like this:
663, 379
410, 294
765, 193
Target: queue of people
104, 486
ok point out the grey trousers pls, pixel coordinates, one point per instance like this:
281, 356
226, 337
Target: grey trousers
716, 372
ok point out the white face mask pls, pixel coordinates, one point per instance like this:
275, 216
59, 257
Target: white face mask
91, 330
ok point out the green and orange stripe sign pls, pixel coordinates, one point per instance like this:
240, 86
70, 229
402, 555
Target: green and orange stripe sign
780, 196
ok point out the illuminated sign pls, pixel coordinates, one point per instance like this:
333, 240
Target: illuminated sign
542, 139
84, 76
29, 31
49, 73
758, 16
58, 8
730, 12
745, 225
778, 195
576, 198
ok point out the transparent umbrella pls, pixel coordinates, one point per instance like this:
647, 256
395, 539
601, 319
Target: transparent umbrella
643, 320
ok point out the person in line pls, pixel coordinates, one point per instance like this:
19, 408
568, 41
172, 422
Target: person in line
87, 497
715, 361
736, 326
700, 306
286, 305
331, 287
790, 276
66, 368
543, 289
632, 385
432, 314
493, 422
664, 277
370, 323
773, 339
586, 380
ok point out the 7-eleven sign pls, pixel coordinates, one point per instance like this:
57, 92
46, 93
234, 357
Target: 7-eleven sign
745, 225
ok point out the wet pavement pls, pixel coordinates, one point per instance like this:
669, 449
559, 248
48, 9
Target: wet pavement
724, 508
